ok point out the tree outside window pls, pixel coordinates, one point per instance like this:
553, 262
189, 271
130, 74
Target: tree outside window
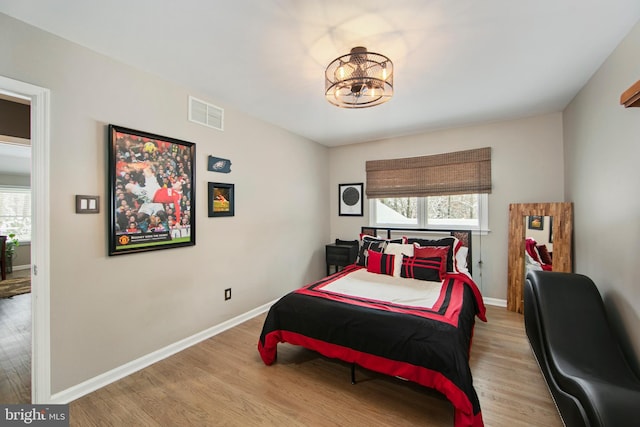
467, 211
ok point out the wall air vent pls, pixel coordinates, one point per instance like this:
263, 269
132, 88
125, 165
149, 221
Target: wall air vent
206, 114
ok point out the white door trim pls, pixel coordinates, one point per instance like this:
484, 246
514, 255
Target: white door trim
40, 296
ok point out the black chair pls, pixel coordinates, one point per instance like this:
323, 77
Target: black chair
566, 323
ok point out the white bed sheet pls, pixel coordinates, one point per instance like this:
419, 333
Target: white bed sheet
382, 287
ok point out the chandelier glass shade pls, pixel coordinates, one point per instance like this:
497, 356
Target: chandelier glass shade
359, 79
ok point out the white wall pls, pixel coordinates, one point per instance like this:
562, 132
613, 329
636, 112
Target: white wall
527, 167
601, 164
107, 311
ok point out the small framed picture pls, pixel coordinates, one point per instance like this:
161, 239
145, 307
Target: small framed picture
221, 199
536, 222
350, 203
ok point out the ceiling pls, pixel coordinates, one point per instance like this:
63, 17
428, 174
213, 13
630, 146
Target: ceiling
456, 62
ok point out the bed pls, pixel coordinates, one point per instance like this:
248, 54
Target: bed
406, 308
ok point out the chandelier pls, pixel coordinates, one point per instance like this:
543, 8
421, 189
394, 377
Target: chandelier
359, 79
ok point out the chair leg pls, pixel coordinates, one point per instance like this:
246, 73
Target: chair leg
353, 373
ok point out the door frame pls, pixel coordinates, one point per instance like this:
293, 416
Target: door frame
40, 241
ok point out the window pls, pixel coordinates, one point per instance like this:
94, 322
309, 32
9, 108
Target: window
446, 190
15, 212
464, 211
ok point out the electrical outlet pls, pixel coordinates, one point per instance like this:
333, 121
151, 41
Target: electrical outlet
227, 294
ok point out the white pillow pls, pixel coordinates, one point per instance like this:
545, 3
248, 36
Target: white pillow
461, 259
398, 249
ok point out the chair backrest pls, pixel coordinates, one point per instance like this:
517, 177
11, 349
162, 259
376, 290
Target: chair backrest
347, 242
574, 323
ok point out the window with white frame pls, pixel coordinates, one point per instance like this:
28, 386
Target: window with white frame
448, 190
15, 212
464, 211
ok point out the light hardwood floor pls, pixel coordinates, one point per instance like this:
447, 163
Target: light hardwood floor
222, 381
15, 346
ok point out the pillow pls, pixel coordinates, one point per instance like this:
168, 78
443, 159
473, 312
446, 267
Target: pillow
380, 263
545, 256
430, 269
371, 243
461, 259
398, 249
433, 251
453, 243
429, 251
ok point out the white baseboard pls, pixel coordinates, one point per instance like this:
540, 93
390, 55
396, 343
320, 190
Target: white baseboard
21, 267
102, 380
86, 387
495, 301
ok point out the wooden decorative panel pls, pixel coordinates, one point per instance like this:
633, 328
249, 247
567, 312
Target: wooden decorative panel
631, 96
562, 214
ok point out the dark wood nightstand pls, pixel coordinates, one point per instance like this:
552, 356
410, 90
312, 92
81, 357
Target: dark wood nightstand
340, 255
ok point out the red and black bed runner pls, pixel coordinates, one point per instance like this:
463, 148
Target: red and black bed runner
429, 346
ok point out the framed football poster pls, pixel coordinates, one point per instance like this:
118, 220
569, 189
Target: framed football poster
151, 192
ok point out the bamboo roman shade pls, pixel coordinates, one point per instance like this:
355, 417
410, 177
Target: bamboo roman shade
460, 172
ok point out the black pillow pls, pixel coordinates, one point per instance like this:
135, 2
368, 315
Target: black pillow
422, 268
445, 241
374, 244
369, 244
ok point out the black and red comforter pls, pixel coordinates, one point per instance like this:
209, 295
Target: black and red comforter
429, 346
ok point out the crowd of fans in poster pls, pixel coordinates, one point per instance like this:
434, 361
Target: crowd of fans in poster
152, 189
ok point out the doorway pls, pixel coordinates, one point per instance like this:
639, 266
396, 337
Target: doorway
15, 226
40, 139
